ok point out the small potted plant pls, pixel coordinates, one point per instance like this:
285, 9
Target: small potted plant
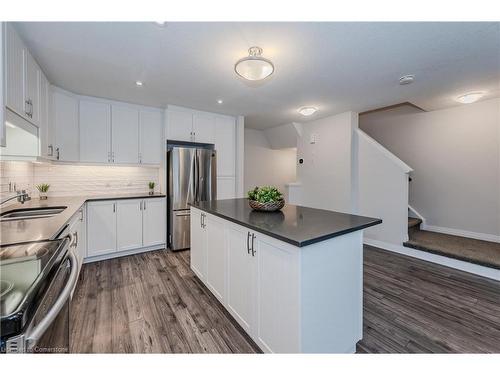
43, 190
266, 198
151, 185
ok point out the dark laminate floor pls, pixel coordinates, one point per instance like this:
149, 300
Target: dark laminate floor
152, 302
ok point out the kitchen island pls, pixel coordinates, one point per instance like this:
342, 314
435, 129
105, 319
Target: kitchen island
293, 279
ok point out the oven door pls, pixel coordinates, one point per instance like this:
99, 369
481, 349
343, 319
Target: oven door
48, 331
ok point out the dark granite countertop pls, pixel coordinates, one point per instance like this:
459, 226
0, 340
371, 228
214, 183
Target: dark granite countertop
297, 225
41, 229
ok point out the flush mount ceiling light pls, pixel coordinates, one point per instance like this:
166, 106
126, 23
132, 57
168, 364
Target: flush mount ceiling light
470, 97
254, 67
138, 83
307, 111
407, 79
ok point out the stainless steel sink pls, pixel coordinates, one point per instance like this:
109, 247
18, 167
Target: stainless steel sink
31, 213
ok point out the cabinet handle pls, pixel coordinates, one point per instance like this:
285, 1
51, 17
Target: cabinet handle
144, 205
31, 108
114, 207
57, 153
140, 206
248, 243
201, 220
51, 151
81, 214
253, 251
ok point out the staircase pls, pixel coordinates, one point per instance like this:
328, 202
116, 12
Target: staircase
484, 253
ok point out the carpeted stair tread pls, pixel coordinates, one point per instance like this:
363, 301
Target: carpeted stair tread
414, 222
475, 251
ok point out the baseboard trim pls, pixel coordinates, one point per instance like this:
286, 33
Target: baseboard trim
123, 253
461, 233
475, 269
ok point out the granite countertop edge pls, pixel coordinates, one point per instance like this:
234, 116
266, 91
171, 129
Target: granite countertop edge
306, 242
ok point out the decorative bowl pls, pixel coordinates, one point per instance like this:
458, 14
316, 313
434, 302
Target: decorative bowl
268, 206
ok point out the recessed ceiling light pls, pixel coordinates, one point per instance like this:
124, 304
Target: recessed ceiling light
407, 79
307, 111
470, 97
220, 101
254, 67
138, 83
161, 23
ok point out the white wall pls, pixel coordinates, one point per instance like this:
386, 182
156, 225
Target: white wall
383, 191
456, 160
265, 166
328, 175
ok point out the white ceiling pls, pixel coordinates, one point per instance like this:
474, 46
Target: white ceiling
334, 66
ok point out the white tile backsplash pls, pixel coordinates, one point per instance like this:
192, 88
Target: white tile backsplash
68, 180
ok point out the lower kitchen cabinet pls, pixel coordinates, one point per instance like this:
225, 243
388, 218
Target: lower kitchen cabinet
154, 213
216, 257
256, 278
124, 225
241, 267
198, 243
101, 228
128, 224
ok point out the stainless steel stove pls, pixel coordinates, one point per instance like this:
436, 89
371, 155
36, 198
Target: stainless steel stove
36, 280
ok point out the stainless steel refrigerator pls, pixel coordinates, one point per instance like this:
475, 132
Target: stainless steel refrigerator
191, 177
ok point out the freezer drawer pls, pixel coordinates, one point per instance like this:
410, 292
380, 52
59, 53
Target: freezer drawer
180, 230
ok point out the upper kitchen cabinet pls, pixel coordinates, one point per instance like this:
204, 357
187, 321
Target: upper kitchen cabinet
95, 132
46, 132
151, 136
188, 125
14, 70
179, 125
203, 128
225, 140
65, 122
124, 134
22, 75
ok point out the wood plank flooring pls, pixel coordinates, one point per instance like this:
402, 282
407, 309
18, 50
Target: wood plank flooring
150, 303
153, 303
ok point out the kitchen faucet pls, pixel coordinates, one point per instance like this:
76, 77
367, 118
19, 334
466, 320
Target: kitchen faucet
21, 196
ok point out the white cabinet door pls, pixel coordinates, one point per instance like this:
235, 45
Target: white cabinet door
225, 140
31, 88
14, 71
278, 285
216, 256
66, 133
45, 132
198, 244
179, 125
154, 221
226, 188
101, 228
240, 299
95, 132
151, 137
204, 128
128, 224
125, 134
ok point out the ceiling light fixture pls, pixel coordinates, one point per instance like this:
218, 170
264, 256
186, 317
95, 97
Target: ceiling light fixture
254, 67
138, 83
220, 101
307, 111
470, 97
407, 79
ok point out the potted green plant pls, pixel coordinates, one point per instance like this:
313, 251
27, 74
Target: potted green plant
266, 198
43, 190
151, 185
